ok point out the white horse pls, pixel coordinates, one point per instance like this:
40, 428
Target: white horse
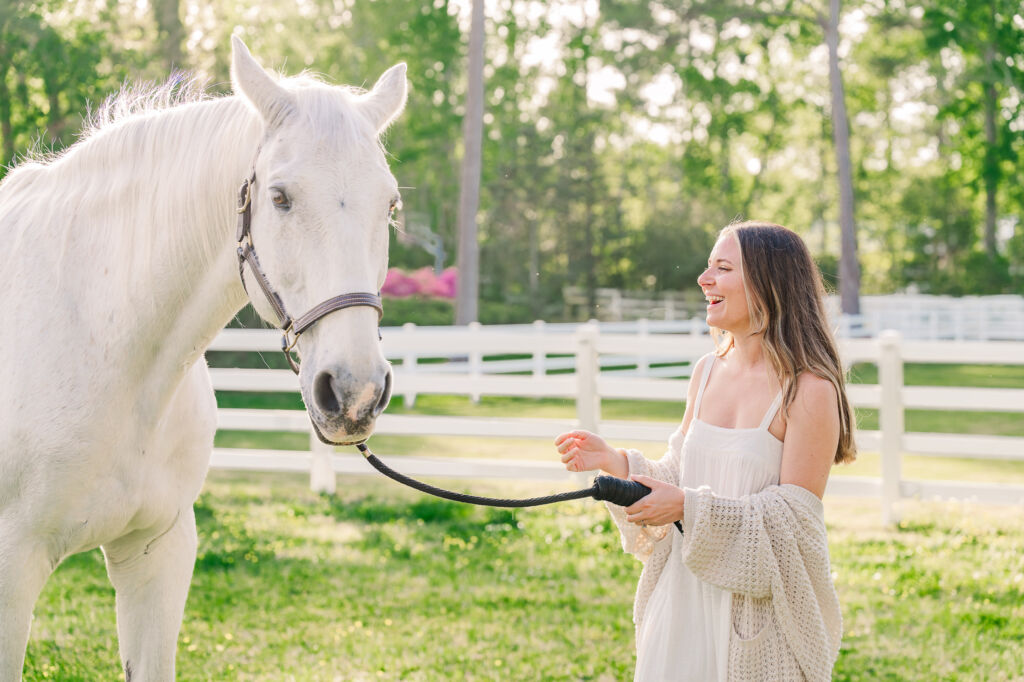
120, 264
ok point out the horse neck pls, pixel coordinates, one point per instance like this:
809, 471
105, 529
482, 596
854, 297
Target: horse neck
176, 251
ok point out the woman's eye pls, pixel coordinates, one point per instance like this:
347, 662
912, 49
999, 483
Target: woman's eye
280, 199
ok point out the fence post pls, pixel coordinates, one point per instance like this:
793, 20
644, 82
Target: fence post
643, 330
475, 359
321, 469
588, 400
890, 418
409, 362
539, 356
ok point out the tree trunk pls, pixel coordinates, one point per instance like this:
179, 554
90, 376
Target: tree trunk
171, 32
991, 162
849, 268
536, 305
469, 196
6, 127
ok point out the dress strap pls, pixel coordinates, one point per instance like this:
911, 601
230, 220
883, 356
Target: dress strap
772, 410
711, 357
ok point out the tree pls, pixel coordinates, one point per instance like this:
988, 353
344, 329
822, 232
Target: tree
469, 196
849, 267
735, 106
50, 72
986, 105
170, 32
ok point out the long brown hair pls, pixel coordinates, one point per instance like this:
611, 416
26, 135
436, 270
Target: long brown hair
786, 299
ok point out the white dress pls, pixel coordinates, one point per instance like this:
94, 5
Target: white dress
685, 630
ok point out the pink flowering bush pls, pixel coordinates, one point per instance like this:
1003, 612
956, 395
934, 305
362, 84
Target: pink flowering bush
421, 282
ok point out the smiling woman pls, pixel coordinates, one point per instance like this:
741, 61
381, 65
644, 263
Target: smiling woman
747, 584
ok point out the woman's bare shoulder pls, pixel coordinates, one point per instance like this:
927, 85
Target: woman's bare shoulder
815, 395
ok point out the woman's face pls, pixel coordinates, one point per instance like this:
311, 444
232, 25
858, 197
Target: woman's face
723, 287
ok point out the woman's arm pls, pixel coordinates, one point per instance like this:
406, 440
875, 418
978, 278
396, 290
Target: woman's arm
812, 434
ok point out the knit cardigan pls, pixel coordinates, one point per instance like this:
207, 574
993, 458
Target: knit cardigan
770, 550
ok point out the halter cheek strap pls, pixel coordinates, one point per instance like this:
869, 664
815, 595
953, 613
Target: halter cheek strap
290, 328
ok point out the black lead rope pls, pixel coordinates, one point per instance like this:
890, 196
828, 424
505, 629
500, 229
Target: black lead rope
606, 488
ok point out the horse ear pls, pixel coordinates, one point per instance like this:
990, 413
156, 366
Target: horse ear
386, 100
248, 78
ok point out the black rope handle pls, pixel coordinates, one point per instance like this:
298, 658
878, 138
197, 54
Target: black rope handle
606, 488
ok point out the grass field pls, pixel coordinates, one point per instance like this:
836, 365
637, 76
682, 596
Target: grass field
381, 584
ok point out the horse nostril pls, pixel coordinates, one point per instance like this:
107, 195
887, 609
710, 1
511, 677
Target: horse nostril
323, 393
385, 396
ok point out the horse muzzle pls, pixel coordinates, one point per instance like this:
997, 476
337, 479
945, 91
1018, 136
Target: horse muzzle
343, 407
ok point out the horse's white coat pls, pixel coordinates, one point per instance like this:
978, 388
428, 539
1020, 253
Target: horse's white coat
119, 268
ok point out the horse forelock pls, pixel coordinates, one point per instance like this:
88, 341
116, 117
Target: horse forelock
333, 111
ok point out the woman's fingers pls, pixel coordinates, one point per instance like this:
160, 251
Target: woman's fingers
571, 435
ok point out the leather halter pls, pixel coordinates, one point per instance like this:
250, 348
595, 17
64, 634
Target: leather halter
290, 328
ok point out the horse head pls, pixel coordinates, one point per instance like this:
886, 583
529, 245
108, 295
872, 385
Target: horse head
321, 204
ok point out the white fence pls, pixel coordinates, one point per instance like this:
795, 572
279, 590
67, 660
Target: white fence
589, 348
916, 316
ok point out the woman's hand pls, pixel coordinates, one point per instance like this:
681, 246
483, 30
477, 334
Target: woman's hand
661, 506
585, 451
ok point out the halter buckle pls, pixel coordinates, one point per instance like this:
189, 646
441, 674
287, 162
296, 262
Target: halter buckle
246, 200
289, 337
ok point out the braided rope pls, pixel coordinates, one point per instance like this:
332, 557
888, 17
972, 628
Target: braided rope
469, 499
608, 488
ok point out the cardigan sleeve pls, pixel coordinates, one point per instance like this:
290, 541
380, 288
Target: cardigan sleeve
638, 541
742, 544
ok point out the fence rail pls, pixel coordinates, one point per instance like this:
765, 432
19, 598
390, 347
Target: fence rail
461, 362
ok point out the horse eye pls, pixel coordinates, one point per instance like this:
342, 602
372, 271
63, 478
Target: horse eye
280, 199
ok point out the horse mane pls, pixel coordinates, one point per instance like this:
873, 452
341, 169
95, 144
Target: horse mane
138, 98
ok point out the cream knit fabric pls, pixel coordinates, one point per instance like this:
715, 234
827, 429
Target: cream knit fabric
770, 550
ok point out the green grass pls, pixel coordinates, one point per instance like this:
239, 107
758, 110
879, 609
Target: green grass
379, 583
925, 374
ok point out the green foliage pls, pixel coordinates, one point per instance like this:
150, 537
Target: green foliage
52, 65
621, 189
420, 311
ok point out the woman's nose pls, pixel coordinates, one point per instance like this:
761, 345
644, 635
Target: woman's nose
703, 279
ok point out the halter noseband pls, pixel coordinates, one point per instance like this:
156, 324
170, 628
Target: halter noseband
290, 328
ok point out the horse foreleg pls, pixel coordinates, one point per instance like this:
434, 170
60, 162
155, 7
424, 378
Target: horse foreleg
23, 572
151, 579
